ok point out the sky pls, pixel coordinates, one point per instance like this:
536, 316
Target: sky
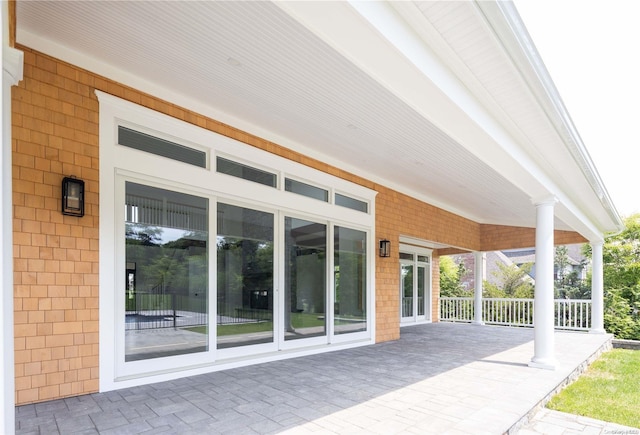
591, 49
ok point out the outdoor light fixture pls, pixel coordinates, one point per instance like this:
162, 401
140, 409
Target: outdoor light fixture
385, 248
72, 196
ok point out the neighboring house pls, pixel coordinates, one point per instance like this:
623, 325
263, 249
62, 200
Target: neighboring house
576, 263
243, 162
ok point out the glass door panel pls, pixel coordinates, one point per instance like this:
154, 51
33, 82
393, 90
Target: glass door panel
245, 276
167, 273
305, 295
350, 261
406, 290
422, 282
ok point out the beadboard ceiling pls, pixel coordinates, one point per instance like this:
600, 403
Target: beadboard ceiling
259, 66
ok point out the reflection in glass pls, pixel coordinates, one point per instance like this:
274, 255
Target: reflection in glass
422, 274
305, 282
306, 189
352, 203
245, 276
407, 290
350, 260
166, 278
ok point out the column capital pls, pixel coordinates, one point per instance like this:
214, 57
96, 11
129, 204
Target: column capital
13, 64
544, 200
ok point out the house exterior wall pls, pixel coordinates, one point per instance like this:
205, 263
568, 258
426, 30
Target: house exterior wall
55, 134
500, 237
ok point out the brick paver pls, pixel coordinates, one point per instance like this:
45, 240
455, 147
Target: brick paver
438, 378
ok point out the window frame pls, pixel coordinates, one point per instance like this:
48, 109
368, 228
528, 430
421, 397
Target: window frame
120, 163
416, 252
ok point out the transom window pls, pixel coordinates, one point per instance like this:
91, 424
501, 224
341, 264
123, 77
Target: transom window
226, 166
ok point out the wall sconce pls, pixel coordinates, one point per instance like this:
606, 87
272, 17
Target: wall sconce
385, 248
72, 196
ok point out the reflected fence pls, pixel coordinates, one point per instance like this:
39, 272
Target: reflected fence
570, 314
407, 306
160, 309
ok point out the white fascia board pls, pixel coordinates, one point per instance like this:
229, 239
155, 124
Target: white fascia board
506, 23
374, 37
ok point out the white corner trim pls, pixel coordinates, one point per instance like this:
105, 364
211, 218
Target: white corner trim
13, 64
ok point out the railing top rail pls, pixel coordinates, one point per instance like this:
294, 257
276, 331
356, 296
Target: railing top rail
574, 301
507, 299
450, 298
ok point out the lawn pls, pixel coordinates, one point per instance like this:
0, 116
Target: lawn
298, 320
609, 390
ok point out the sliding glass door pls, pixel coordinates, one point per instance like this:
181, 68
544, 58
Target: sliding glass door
350, 281
305, 282
245, 297
318, 294
167, 273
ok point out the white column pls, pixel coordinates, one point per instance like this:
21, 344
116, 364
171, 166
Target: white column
543, 310
479, 276
12, 60
597, 289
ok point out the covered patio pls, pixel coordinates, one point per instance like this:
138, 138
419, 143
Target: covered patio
264, 153
437, 378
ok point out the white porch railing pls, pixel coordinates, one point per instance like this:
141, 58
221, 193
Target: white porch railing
574, 314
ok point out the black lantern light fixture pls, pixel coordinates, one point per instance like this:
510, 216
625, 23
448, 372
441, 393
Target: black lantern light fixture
385, 248
72, 196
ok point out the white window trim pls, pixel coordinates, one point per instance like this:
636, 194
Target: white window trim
119, 163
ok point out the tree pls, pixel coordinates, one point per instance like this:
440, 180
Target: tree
567, 283
450, 278
515, 282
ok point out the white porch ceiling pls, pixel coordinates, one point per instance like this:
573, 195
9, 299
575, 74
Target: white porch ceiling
282, 71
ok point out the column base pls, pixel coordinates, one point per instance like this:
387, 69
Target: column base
597, 331
478, 322
543, 363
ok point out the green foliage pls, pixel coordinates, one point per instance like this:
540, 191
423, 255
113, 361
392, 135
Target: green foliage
608, 390
450, 278
176, 267
514, 282
619, 318
490, 290
568, 284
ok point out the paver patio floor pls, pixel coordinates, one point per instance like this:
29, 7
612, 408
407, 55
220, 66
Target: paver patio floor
440, 378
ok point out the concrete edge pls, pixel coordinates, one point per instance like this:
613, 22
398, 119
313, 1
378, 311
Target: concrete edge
626, 344
569, 379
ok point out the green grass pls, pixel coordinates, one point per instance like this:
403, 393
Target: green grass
609, 390
299, 320
235, 328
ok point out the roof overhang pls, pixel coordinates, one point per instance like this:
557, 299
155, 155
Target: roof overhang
448, 102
